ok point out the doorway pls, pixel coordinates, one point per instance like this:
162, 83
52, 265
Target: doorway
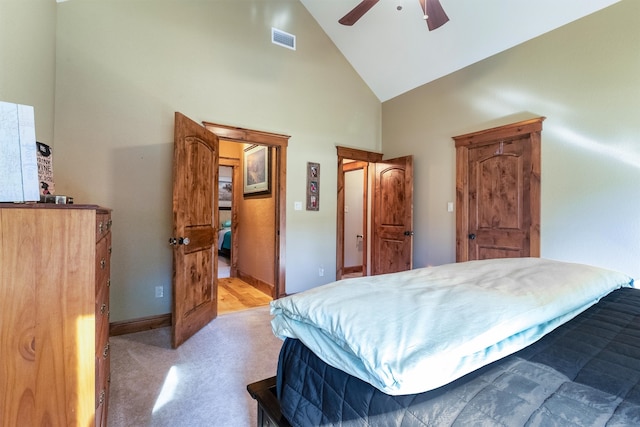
390, 223
349, 161
236, 289
356, 213
226, 184
195, 219
277, 143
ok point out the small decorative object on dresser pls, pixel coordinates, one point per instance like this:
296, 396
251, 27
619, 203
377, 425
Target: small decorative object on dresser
54, 311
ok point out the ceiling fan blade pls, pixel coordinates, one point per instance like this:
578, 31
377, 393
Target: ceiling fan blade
357, 12
436, 14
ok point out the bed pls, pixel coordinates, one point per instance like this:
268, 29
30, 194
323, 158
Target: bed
224, 238
506, 342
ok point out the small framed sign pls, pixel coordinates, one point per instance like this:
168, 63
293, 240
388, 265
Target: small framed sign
313, 186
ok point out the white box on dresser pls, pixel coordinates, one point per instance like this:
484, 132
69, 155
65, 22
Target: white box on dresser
54, 314
18, 154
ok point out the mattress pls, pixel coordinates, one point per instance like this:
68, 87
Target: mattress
585, 372
391, 330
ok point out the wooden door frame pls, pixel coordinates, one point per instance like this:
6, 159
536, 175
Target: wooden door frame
531, 128
345, 153
279, 142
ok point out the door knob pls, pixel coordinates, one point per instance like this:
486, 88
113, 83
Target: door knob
179, 241
472, 236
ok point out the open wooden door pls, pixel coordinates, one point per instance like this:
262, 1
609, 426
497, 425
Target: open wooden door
195, 218
392, 246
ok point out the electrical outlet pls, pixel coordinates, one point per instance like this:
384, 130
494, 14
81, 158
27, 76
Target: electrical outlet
159, 292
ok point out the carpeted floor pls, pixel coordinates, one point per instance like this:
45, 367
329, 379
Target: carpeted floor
202, 383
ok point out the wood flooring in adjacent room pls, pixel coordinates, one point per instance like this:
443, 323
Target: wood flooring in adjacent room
236, 295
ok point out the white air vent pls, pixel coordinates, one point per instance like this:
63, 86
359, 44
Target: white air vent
283, 39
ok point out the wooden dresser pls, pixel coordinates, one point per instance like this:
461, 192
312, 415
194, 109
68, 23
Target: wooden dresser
54, 314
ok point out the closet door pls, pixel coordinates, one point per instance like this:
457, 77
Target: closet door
498, 192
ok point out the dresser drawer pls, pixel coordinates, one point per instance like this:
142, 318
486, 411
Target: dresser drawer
103, 263
102, 388
102, 319
103, 224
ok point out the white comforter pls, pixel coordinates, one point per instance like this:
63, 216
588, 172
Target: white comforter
414, 331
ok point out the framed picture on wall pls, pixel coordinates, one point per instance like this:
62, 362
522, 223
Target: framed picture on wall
313, 186
256, 170
224, 192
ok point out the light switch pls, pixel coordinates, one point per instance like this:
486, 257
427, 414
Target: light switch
297, 206
449, 206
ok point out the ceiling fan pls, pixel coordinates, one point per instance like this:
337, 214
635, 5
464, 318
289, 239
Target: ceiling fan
433, 13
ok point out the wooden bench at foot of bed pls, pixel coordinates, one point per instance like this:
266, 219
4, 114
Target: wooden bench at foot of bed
264, 392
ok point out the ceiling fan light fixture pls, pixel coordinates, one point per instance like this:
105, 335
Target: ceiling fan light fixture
438, 18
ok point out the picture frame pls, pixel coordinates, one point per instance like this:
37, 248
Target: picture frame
225, 193
256, 170
313, 186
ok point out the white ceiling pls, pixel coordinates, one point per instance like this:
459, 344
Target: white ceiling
394, 52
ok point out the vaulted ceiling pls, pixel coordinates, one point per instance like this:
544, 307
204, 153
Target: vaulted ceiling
393, 51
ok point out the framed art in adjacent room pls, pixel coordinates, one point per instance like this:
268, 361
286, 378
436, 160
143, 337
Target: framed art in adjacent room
313, 186
224, 192
256, 170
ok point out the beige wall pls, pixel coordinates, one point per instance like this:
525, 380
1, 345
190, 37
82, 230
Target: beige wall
257, 233
585, 79
255, 224
124, 68
27, 59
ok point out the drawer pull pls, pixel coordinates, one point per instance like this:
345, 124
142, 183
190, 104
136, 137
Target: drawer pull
105, 352
103, 263
103, 308
101, 227
108, 282
109, 224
